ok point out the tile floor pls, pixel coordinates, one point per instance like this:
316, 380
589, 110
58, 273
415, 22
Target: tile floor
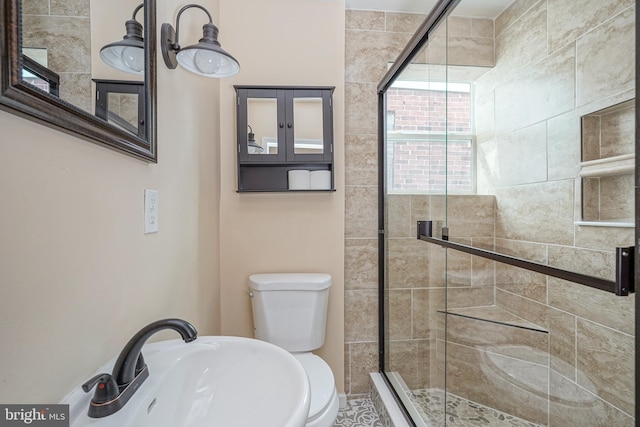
358, 413
460, 412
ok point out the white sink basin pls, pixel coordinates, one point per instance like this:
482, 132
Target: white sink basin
212, 381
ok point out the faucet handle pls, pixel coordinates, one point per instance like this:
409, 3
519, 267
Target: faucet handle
106, 390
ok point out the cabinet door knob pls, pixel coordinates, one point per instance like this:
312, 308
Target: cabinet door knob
281, 125
289, 125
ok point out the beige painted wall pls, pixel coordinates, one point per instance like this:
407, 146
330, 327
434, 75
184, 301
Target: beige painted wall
278, 43
77, 275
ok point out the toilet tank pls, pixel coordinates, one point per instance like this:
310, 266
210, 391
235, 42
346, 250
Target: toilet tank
290, 309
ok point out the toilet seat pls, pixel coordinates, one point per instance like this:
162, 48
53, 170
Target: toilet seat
324, 396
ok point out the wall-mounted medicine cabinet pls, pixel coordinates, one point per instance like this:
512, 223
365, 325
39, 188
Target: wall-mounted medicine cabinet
280, 129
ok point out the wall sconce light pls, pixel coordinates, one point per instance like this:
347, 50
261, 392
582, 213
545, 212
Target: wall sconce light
206, 58
252, 146
127, 54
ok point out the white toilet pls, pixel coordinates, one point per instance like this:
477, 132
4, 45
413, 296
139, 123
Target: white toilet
290, 310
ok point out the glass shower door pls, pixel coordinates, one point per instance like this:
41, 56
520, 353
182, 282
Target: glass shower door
414, 189
512, 306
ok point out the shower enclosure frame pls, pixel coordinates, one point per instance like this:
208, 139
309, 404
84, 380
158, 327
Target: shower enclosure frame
420, 38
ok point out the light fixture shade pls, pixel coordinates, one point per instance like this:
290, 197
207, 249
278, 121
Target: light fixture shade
127, 54
207, 58
252, 145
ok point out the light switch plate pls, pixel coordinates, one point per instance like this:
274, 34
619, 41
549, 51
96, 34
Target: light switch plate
150, 211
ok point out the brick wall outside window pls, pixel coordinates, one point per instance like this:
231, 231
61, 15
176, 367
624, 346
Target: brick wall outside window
417, 123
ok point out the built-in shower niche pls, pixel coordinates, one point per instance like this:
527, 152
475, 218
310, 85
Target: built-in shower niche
607, 167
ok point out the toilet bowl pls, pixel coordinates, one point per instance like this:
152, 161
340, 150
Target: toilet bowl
290, 310
324, 396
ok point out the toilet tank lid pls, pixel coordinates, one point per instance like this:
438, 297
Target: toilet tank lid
289, 281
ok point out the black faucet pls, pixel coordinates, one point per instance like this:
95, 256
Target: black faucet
115, 389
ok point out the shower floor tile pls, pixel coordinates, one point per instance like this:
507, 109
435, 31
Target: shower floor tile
461, 412
358, 413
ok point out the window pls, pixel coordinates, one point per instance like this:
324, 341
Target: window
430, 138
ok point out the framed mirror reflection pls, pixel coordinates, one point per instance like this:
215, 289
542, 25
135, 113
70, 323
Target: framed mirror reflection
56, 55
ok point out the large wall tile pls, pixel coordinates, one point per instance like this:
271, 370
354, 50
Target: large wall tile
76, 88
472, 51
425, 306
470, 216
483, 271
606, 364
75, 8
411, 360
364, 20
524, 42
361, 216
513, 13
530, 251
569, 20
562, 341
503, 157
470, 297
470, 27
363, 359
481, 27
573, 406
435, 53
361, 316
593, 304
540, 92
408, 263
398, 306
35, 7
72, 50
404, 22
517, 280
398, 216
459, 26
369, 52
485, 115
563, 146
586, 261
601, 69
537, 212
361, 159
347, 368
361, 107
522, 282
361, 264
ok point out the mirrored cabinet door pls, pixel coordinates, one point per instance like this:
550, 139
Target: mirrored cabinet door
309, 125
261, 125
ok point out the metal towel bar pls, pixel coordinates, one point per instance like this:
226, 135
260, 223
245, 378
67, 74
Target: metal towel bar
622, 286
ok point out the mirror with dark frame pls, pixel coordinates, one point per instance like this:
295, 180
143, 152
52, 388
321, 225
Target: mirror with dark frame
51, 69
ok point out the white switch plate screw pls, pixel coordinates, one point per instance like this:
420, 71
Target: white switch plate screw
150, 211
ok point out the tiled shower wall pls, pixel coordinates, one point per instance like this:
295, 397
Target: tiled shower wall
68, 23
565, 60
570, 59
373, 40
